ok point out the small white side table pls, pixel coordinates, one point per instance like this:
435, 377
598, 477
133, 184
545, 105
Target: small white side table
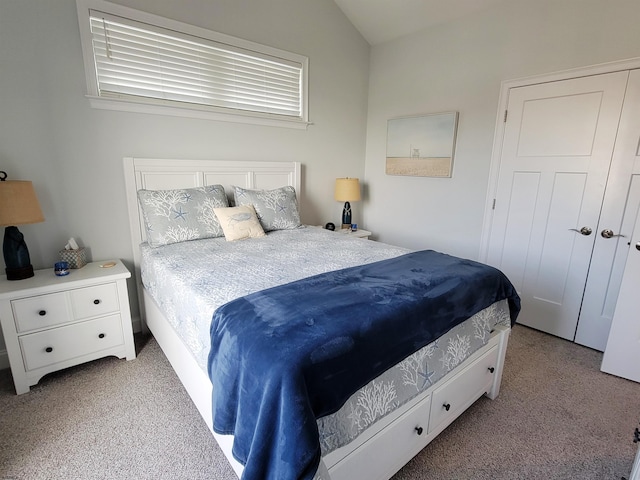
357, 234
50, 323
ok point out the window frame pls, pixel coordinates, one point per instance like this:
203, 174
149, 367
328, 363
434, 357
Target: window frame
180, 109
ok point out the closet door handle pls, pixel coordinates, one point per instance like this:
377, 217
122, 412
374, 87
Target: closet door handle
586, 231
606, 233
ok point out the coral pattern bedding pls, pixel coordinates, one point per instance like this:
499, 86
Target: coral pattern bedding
190, 280
283, 357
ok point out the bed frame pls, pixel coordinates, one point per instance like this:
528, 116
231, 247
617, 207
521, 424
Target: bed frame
386, 446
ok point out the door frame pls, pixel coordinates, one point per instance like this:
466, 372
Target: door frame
496, 155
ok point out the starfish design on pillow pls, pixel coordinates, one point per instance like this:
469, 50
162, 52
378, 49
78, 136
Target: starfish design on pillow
180, 214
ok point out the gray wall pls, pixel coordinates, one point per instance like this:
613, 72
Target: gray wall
50, 135
459, 67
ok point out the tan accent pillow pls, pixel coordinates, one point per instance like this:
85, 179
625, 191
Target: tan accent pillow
239, 222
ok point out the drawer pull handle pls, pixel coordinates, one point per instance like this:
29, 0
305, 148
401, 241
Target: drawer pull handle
446, 406
42, 313
102, 335
419, 430
48, 349
491, 369
96, 301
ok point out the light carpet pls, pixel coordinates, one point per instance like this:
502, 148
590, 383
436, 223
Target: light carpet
557, 417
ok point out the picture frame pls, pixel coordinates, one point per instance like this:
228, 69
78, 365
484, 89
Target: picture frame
422, 145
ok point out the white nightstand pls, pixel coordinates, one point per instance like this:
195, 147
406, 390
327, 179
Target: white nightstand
50, 323
357, 234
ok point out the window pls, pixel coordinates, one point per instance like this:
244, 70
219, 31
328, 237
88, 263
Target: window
141, 62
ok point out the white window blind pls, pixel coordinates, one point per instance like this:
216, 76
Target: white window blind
139, 60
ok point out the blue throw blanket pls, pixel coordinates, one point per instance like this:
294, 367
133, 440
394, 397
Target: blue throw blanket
282, 357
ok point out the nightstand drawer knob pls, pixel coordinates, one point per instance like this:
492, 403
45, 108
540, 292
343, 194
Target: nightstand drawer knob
446, 406
42, 313
48, 349
102, 335
96, 301
491, 369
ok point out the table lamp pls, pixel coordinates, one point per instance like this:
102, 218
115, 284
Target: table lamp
18, 206
347, 190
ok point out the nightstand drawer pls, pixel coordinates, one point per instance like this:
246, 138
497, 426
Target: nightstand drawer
40, 312
64, 343
94, 301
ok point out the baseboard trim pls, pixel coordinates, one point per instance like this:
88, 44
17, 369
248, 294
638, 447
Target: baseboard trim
136, 323
4, 359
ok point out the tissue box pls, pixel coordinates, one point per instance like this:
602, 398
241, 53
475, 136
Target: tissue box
75, 258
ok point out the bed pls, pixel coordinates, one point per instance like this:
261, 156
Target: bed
387, 419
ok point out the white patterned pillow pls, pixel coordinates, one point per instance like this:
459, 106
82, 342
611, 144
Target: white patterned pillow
172, 216
239, 222
276, 209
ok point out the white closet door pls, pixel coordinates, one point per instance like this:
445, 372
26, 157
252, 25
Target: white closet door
622, 353
618, 217
556, 154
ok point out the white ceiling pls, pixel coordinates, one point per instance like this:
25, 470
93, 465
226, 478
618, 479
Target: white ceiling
382, 20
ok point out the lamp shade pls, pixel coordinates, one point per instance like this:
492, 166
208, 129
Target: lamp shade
347, 190
18, 203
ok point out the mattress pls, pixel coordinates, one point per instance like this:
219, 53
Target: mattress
189, 280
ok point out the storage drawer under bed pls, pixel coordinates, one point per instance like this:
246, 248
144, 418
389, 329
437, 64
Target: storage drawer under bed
472, 382
398, 442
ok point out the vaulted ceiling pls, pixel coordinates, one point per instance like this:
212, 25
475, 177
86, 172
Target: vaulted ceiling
382, 20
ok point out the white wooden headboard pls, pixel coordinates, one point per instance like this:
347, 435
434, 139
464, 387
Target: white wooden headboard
162, 174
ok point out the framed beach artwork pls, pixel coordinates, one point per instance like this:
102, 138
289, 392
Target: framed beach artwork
422, 146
